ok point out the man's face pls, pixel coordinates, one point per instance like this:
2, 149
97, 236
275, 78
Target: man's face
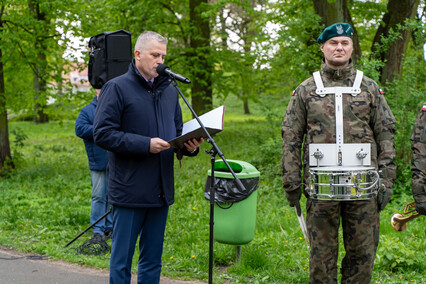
337, 51
147, 60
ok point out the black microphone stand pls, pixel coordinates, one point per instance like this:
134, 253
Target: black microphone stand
213, 152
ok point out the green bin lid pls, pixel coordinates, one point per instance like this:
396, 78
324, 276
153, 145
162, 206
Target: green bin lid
241, 169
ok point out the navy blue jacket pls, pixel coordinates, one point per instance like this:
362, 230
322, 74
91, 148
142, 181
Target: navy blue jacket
98, 157
128, 115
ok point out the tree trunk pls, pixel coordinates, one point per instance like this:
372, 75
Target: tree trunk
40, 83
397, 12
40, 88
201, 90
337, 12
4, 132
246, 106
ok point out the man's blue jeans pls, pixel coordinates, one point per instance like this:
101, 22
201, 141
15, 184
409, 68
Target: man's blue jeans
100, 204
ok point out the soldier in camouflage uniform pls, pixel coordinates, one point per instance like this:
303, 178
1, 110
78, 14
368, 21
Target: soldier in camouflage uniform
367, 118
418, 138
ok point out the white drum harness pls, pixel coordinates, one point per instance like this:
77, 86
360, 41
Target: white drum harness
341, 171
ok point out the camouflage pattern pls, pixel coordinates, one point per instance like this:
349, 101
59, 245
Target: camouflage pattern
418, 138
360, 223
310, 118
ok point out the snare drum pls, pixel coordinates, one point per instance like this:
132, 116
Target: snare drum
343, 183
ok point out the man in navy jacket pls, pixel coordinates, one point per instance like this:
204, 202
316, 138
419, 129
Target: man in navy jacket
137, 113
98, 165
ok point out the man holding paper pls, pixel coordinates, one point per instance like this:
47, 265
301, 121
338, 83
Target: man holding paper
212, 121
136, 114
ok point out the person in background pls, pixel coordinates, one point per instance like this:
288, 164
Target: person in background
418, 138
137, 113
311, 118
98, 165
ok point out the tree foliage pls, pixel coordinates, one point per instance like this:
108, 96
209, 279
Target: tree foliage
393, 37
253, 49
242, 44
336, 12
32, 46
199, 56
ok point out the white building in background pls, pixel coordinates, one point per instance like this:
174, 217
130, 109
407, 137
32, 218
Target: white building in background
80, 81
74, 80
79, 78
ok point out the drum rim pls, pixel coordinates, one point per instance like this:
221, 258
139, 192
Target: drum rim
342, 169
326, 193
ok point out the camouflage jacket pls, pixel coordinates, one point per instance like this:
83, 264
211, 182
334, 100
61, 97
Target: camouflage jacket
310, 118
418, 138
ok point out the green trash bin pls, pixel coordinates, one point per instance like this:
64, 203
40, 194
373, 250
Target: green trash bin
234, 210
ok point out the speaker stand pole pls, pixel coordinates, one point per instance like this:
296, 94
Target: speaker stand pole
215, 150
212, 154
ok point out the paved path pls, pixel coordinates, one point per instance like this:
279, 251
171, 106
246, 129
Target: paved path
17, 268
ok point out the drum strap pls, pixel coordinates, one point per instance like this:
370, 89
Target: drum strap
338, 94
354, 90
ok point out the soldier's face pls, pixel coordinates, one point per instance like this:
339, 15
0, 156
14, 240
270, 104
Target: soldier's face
148, 59
337, 51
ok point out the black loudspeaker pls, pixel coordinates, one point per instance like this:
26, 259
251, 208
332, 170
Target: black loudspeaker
109, 57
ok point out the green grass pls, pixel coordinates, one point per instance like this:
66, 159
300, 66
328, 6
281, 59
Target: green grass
46, 202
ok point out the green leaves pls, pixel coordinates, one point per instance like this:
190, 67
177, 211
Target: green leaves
394, 255
46, 201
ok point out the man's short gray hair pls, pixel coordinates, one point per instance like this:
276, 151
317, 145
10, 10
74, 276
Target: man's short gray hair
145, 38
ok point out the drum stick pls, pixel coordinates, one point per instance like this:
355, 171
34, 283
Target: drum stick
302, 223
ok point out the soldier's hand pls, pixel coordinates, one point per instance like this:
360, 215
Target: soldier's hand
299, 210
293, 196
419, 194
421, 208
383, 197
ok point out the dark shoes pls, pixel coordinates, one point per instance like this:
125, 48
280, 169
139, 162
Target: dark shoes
97, 238
108, 234
94, 246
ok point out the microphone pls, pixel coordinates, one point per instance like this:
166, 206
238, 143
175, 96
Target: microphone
163, 69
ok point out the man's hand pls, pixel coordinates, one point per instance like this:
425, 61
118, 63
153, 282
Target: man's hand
192, 145
157, 145
298, 209
421, 208
293, 196
383, 196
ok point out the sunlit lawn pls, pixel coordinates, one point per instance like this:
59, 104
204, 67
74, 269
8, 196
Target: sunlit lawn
46, 202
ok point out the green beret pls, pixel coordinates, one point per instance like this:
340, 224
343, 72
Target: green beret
337, 29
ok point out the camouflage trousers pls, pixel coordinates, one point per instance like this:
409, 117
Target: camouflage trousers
360, 223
